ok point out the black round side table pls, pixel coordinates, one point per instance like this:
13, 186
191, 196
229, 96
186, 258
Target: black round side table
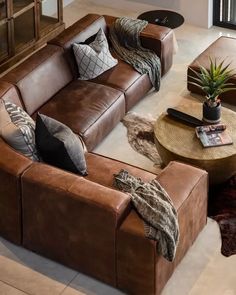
164, 18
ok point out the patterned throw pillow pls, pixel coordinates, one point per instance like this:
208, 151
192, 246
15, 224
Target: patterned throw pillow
59, 146
17, 129
95, 58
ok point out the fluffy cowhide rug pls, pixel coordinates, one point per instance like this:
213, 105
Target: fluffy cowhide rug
222, 199
141, 135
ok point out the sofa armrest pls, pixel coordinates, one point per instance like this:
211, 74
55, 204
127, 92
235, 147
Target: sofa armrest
179, 179
160, 40
156, 38
187, 187
12, 165
12, 162
72, 220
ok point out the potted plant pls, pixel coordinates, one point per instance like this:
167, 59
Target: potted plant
213, 82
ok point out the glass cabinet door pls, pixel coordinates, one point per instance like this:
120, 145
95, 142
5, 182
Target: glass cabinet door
3, 9
4, 26
24, 29
4, 40
49, 14
20, 4
25, 25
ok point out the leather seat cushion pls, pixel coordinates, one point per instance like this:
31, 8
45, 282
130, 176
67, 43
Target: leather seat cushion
89, 109
102, 169
124, 78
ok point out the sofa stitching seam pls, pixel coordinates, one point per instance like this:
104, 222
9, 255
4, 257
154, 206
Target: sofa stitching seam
203, 175
103, 112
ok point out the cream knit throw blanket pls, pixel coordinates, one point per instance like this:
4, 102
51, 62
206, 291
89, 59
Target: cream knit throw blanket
124, 36
156, 208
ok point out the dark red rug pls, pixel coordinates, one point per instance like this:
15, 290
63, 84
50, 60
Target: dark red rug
222, 208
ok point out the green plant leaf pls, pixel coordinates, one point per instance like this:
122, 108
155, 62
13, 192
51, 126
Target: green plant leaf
213, 81
195, 72
196, 79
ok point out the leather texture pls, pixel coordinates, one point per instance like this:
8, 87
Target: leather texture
83, 222
12, 166
72, 220
102, 169
40, 76
89, 109
124, 78
224, 48
192, 216
8, 92
140, 270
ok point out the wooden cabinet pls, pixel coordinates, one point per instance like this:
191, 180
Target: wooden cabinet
26, 25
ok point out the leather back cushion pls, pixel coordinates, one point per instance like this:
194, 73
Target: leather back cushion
8, 92
77, 33
40, 76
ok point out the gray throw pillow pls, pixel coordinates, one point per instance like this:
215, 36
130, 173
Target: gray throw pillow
59, 146
17, 129
95, 58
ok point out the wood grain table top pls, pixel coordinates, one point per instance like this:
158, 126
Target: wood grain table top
180, 139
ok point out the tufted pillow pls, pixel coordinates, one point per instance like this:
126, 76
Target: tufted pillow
59, 146
95, 58
18, 129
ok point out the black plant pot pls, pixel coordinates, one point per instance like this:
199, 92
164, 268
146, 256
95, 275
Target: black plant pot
211, 115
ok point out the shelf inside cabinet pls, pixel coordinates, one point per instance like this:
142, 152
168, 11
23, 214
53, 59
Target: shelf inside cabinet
24, 28
19, 5
47, 21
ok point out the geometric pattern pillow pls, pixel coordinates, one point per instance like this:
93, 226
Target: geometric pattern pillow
18, 129
95, 58
59, 146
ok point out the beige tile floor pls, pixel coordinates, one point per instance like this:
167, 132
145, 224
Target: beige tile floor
203, 271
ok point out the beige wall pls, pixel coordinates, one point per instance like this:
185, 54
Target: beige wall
197, 12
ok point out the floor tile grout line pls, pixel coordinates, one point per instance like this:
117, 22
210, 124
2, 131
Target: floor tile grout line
15, 287
77, 273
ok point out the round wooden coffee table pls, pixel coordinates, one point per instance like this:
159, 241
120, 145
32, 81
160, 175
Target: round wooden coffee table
177, 141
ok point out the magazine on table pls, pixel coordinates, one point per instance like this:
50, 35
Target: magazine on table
213, 135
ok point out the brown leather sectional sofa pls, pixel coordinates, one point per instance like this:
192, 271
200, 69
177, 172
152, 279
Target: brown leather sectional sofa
83, 222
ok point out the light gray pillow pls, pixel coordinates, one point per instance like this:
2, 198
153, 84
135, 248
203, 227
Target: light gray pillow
17, 129
95, 58
59, 146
